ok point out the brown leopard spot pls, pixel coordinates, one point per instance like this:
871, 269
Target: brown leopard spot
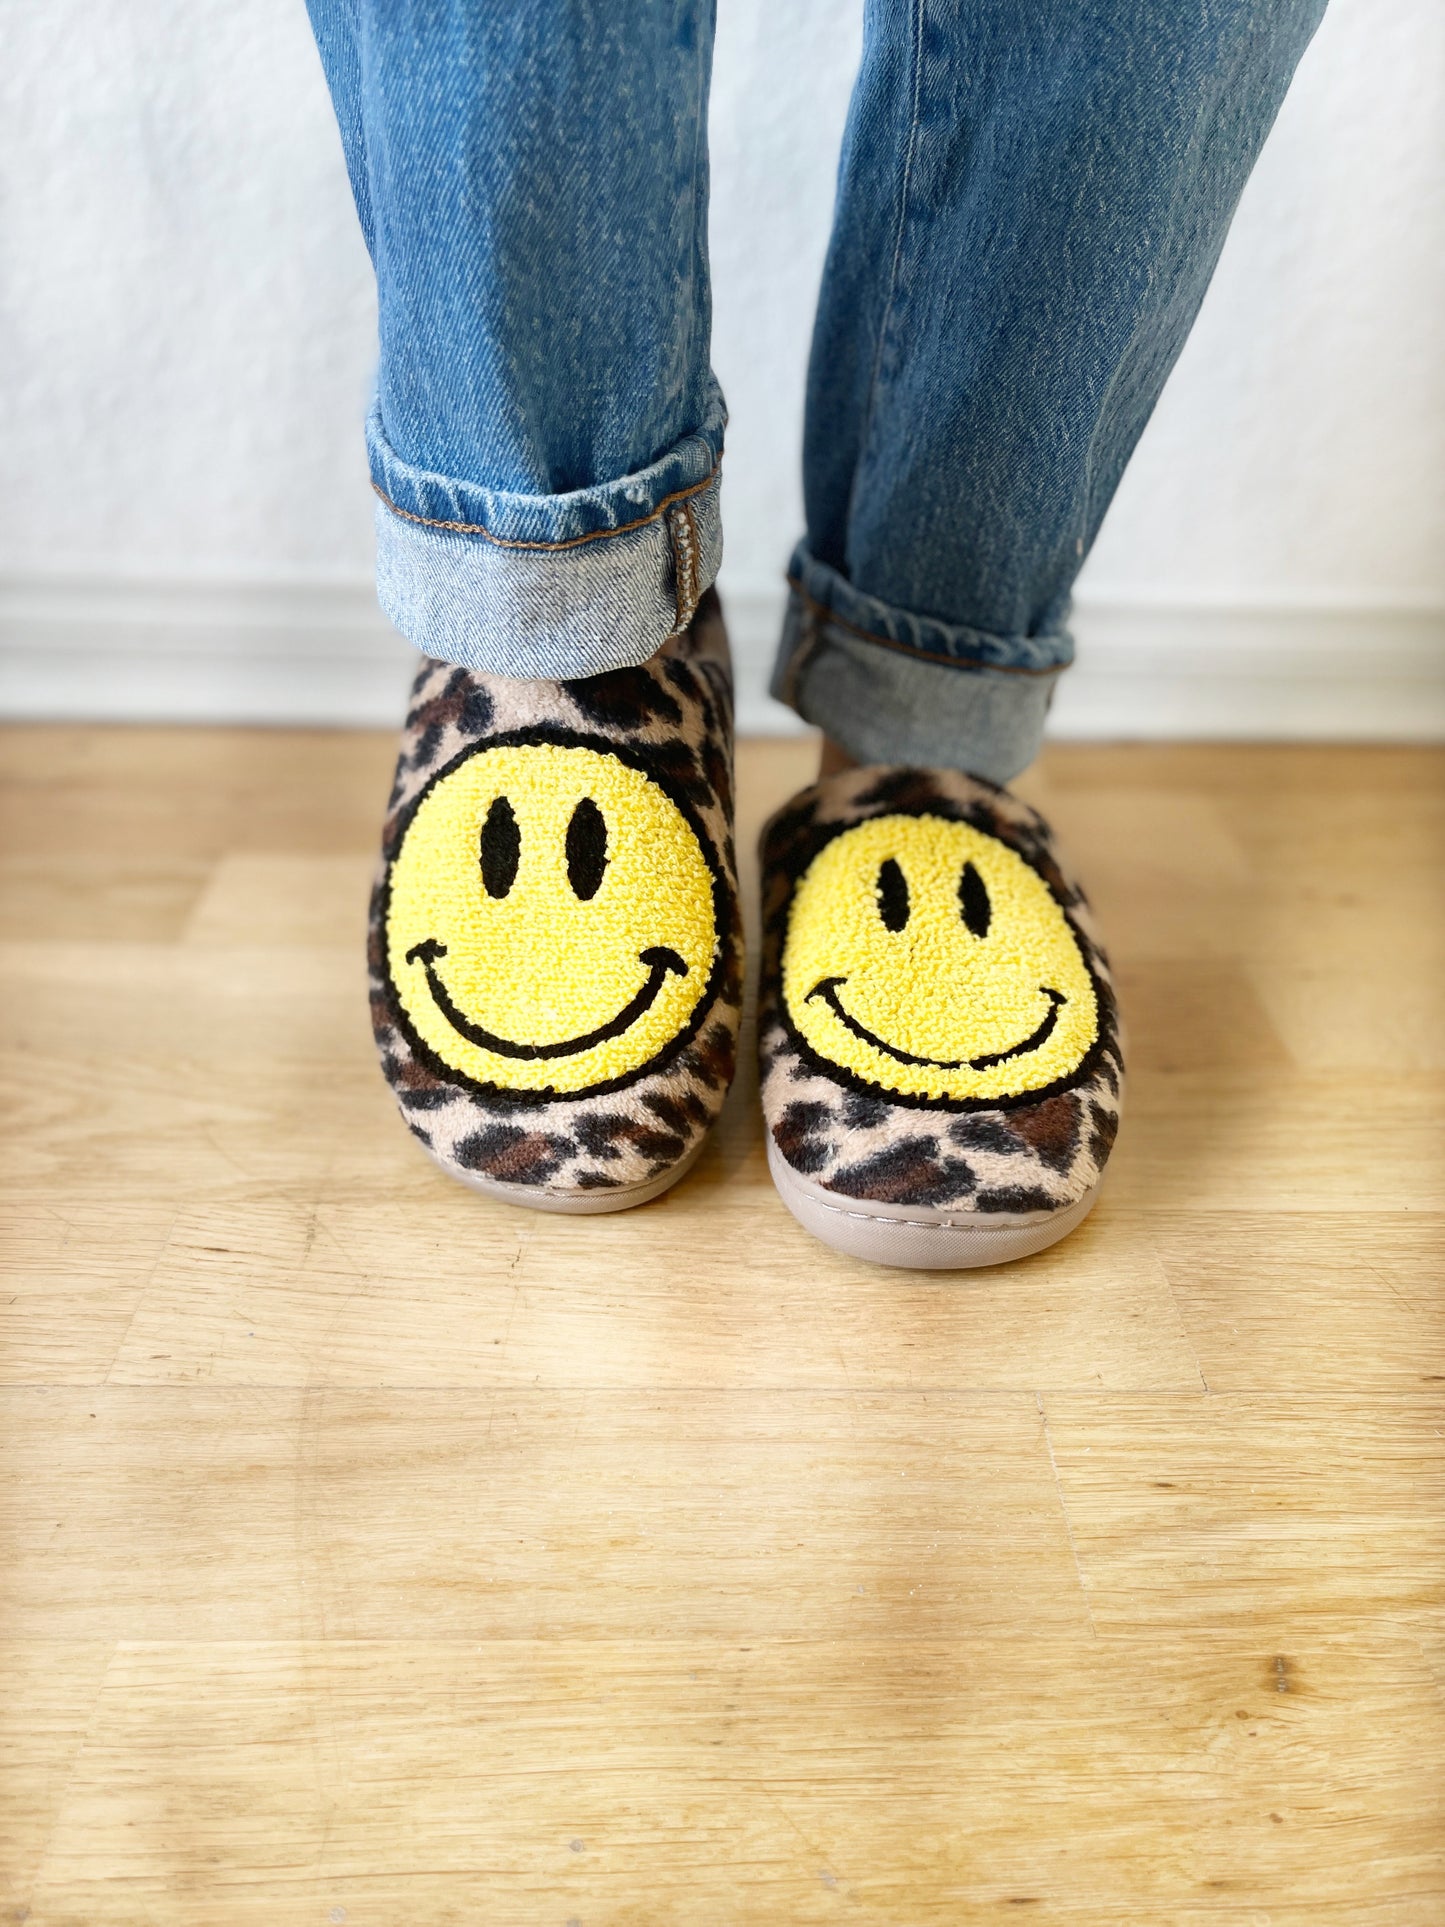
1052, 1128
513, 1155
625, 699
798, 1134
710, 1057
909, 1172
1017, 1198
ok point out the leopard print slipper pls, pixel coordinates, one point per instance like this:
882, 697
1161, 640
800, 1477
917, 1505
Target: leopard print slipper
555, 951
938, 1031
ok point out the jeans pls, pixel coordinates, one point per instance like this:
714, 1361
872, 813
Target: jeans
1032, 196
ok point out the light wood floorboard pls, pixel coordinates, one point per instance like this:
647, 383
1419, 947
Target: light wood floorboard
370, 1553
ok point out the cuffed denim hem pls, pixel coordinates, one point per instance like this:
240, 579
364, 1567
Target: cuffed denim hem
549, 586
892, 687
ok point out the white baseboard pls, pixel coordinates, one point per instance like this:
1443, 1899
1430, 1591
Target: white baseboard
116, 651
177, 652
1263, 675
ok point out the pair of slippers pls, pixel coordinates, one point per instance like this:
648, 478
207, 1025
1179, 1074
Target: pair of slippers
556, 965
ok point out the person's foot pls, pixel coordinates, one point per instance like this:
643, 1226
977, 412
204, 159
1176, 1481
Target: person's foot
937, 1026
555, 952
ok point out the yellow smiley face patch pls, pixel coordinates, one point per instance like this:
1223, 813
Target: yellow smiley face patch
552, 918
927, 959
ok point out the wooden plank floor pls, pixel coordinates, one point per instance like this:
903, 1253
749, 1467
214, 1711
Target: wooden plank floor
373, 1554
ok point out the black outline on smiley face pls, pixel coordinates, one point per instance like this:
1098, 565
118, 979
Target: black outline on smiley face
723, 910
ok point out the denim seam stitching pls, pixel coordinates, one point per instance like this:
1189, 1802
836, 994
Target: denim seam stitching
790, 674
914, 115
571, 541
825, 615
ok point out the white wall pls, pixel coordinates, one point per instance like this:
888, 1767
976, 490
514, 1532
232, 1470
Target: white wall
185, 341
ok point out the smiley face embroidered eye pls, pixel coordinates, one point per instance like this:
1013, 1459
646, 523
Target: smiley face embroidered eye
551, 919
926, 958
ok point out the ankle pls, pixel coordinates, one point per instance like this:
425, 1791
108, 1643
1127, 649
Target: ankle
833, 758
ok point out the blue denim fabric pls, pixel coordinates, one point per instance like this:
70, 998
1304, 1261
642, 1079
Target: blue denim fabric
1003, 299
531, 177
1032, 197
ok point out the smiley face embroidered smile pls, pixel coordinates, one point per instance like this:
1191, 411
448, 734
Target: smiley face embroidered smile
827, 989
659, 960
552, 918
926, 959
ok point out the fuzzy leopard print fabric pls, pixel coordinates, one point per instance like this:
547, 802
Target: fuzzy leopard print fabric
668, 724
1032, 1152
